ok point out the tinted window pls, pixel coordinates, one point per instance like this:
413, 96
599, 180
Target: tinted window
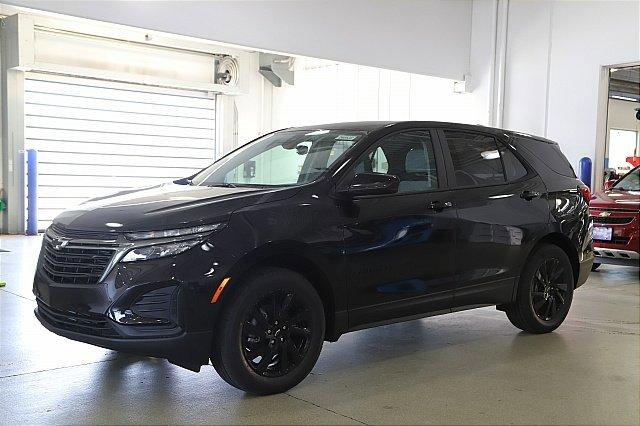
630, 181
550, 154
476, 159
407, 155
513, 168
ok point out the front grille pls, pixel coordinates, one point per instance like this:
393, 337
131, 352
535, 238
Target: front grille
96, 325
78, 263
612, 220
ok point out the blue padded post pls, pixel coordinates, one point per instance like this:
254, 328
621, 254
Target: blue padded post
32, 192
585, 171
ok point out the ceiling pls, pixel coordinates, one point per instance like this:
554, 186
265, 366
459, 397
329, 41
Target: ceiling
624, 83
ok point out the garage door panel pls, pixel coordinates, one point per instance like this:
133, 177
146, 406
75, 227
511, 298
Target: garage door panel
46, 191
70, 169
96, 137
127, 160
59, 100
59, 202
117, 149
96, 126
93, 92
118, 116
94, 140
101, 181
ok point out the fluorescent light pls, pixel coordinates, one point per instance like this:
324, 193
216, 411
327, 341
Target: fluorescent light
317, 132
490, 155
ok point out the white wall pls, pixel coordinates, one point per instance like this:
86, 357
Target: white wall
421, 36
555, 51
326, 92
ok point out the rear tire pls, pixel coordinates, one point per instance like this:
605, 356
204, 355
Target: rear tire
545, 291
595, 266
270, 332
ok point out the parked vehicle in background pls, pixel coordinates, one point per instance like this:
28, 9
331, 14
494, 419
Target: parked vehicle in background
616, 221
308, 233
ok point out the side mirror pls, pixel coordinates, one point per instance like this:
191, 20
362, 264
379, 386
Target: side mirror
609, 184
372, 184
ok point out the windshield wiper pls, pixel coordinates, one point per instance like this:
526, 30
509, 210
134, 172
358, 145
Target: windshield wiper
222, 185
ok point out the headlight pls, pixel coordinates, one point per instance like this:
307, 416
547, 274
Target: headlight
160, 250
147, 235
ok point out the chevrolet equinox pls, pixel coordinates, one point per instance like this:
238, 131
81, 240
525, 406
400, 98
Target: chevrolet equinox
308, 233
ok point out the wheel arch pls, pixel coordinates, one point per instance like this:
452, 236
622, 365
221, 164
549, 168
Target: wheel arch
562, 241
294, 259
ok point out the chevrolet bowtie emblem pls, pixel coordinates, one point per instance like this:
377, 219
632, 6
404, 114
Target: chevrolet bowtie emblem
59, 243
604, 214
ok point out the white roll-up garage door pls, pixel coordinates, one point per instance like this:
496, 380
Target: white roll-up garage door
94, 138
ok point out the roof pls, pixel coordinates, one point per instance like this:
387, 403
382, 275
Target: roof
376, 125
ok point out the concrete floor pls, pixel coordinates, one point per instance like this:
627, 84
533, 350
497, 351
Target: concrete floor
470, 367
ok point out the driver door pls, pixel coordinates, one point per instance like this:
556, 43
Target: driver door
399, 247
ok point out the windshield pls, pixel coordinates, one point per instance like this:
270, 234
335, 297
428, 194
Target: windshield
283, 158
630, 181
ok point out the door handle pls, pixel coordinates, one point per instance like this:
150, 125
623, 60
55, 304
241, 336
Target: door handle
439, 205
529, 195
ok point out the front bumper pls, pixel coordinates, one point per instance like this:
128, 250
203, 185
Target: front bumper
186, 350
624, 247
617, 257
159, 308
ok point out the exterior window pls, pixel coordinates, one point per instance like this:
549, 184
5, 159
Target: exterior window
407, 155
513, 168
286, 158
476, 159
549, 153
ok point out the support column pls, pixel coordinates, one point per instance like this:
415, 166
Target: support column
16, 48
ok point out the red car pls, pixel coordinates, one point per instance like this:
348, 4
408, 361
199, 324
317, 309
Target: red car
616, 221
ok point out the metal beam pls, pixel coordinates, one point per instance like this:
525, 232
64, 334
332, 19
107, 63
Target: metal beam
17, 47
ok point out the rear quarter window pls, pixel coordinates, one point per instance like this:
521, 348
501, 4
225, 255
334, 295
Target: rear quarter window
550, 154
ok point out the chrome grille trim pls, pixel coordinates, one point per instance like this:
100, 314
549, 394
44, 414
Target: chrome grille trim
79, 256
116, 243
612, 220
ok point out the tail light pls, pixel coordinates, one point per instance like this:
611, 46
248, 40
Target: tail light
586, 193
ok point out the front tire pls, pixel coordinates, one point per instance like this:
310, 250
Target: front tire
545, 291
270, 332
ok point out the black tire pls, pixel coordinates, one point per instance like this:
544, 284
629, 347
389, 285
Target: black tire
545, 291
270, 332
595, 266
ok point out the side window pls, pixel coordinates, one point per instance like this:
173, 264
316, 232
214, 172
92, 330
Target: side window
476, 159
550, 153
407, 155
513, 168
379, 163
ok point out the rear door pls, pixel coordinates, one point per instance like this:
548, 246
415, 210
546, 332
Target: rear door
501, 205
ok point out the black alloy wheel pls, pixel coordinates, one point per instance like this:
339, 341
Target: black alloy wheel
549, 290
545, 291
276, 334
270, 331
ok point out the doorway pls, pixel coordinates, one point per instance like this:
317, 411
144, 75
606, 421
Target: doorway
622, 143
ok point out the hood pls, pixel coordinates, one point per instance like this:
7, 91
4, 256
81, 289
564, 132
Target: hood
616, 199
165, 206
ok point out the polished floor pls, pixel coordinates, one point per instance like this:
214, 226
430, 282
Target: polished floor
465, 368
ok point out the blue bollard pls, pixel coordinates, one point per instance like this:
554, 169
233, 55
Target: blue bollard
585, 171
32, 192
